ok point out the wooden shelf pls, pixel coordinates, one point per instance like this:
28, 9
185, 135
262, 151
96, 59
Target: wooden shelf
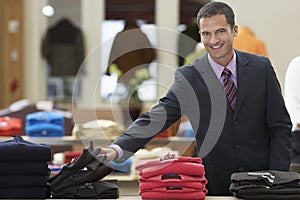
72, 140
122, 177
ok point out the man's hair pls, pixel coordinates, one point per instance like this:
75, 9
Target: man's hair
217, 8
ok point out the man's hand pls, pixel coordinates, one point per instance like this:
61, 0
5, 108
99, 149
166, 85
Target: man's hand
111, 153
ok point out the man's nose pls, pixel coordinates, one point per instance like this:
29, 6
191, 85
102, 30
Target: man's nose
214, 39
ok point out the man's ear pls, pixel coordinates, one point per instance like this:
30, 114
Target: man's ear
235, 30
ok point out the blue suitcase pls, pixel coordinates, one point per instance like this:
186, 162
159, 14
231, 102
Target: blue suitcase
44, 124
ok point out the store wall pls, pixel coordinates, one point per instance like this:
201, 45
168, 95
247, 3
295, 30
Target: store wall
272, 21
11, 52
276, 23
34, 67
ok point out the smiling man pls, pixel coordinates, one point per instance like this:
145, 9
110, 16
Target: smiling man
233, 100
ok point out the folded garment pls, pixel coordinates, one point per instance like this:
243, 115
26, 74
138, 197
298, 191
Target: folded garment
146, 186
24, 168
124, 167
143, 154
174, 194
23, 181
10, 126
94, 171
70, 155
186, 168
176, 190
265, 185
24, 193
45, 130
265, 194
174, 178
95, 190
44, 124
88, 155
270, 178
19, 149
168, 158
100, 128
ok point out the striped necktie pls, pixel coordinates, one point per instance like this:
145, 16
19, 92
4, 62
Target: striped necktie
229, 87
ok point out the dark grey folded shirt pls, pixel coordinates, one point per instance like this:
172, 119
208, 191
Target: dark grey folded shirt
265, 185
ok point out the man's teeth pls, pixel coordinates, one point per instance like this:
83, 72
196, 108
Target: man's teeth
215, 47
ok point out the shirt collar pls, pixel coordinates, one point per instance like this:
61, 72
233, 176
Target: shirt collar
218, 69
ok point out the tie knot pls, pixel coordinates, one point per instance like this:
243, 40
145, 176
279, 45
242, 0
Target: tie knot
226, 72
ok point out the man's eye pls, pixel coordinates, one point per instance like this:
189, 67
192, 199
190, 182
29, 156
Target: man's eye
221, 31
204, 34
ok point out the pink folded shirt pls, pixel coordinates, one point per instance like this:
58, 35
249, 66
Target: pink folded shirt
185, 168
178, 178
169, 158
171, 164
172, 177
164, 193
150, 186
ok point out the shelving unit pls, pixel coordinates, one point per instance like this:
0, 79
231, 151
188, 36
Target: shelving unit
72, 140
128, 183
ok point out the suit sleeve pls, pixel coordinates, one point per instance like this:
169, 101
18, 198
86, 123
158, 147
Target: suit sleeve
151, 123
279, 124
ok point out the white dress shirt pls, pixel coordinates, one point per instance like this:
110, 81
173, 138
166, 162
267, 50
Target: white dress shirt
292, 91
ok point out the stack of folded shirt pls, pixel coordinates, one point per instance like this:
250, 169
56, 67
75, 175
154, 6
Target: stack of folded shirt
44, 124
265, 185
10, 126
24, 169
81, 178
172, 177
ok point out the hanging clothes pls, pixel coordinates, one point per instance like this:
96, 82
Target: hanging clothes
248, 42
63, 48
131, 49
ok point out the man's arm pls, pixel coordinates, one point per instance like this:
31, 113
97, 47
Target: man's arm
110, 152
279, 124
151, 123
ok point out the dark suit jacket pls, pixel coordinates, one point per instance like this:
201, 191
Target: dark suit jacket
256, 136
63, 48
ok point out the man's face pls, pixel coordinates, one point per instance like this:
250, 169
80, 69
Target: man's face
217, 37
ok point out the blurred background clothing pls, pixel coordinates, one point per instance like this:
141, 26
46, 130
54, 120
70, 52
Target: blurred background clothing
292, 91
292, 101
63, 48
248, 42
131, 49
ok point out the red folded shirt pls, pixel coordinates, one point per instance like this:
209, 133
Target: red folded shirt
10, 126
170, 164
149, 186
171, 193
174, 178
169, 158
70, 155
192, 169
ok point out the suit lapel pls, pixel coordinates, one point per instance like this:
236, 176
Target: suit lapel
213, 84
215, 87
243, 75
218, 105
